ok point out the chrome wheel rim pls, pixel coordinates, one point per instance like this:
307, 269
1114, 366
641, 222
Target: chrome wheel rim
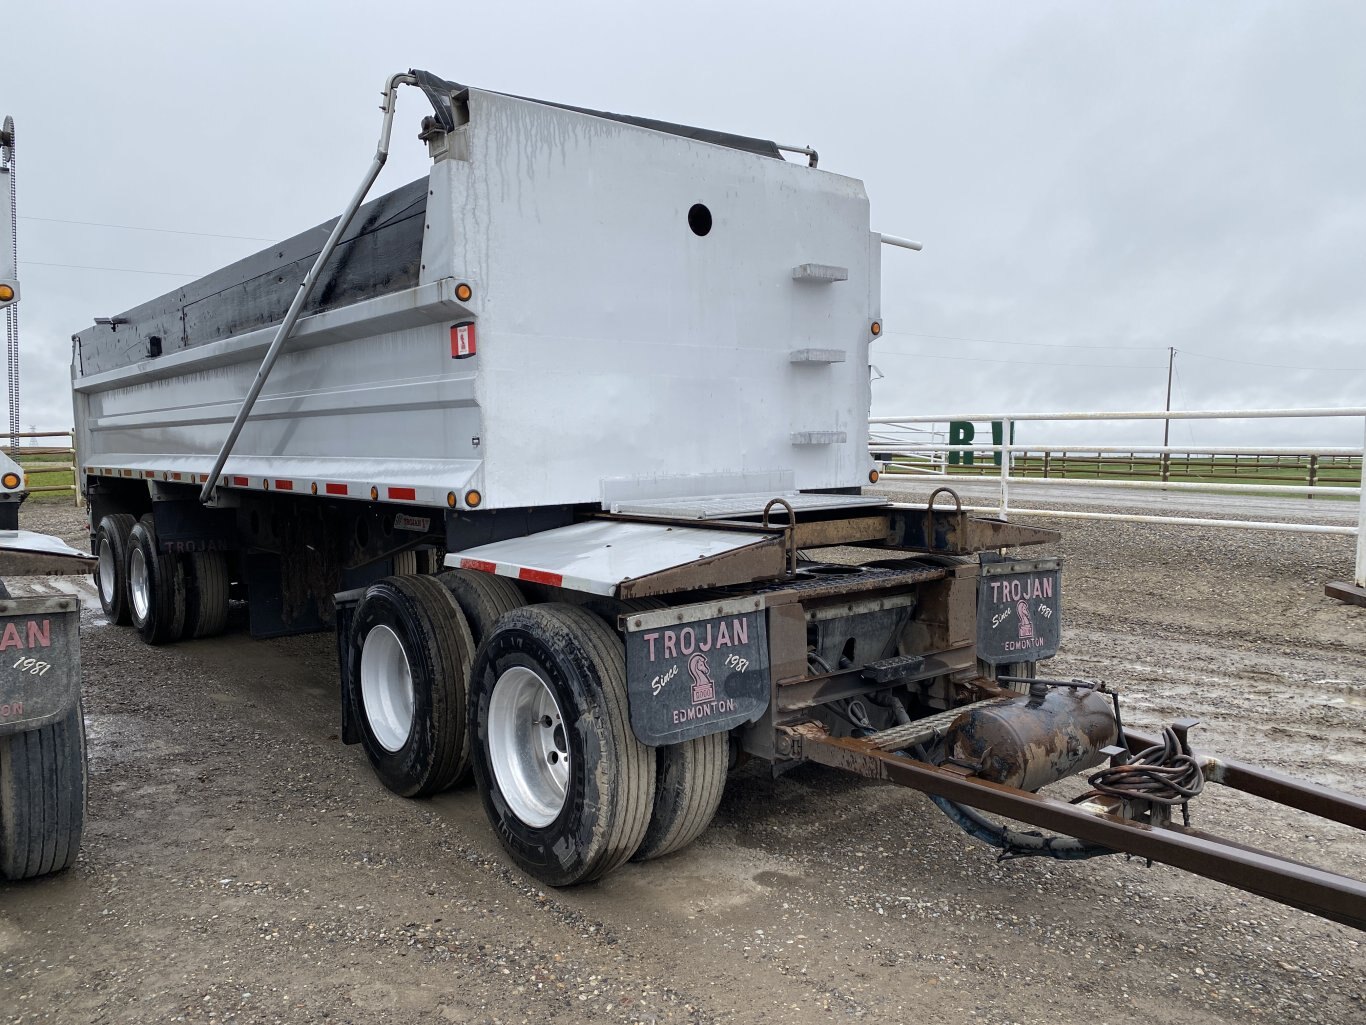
108, 571
137, 583
386, 684
528, 746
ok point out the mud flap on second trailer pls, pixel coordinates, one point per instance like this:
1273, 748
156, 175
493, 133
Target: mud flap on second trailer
1019, 611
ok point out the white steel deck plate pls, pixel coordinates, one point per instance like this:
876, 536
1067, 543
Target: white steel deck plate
725, 507
597, 555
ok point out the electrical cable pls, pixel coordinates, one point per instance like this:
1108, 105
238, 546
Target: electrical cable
136, 227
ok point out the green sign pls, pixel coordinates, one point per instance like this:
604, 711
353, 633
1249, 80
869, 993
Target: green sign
962, 432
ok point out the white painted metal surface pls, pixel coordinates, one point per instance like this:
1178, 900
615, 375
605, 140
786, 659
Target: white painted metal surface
39, 544
721, 507
615, 345
597, 555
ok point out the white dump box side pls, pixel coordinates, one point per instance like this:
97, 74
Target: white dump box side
649, 316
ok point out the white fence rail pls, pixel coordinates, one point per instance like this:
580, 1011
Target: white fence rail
904, 437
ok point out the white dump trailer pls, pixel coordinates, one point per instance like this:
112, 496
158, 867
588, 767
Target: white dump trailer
546, 437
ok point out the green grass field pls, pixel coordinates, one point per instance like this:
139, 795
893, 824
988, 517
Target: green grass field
47, 478
1326, 471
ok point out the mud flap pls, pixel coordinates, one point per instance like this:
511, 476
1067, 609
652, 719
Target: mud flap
1019, 610
40, 661
691, 672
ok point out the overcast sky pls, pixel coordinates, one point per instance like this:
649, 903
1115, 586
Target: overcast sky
1092, 182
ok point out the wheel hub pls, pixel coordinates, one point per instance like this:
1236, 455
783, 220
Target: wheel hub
138, 588
107, 571
528, 746
386, 683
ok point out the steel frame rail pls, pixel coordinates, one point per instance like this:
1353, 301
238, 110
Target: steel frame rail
1326, 894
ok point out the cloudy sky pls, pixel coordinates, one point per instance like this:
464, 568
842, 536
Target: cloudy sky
1093, 182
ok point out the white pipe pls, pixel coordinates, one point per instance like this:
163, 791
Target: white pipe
1360, 577
904, 243
1188, 521
1158, 485
1006, 446
1152, 485
1154, 450
1161, 414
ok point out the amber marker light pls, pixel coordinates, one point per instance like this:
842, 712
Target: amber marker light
374, 493
473, 498
6, 293
451, 499
11, 480
463, 292
314, 487
876, 328
873, 475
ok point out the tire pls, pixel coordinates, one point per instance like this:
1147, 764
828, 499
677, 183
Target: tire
413, 729
405, 564
689, 780
689, 777
483, 597
42, 797
430, 561
156, 587
571, 800
111, 571
206, 594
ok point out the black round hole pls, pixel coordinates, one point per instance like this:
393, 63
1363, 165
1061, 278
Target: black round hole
699, 219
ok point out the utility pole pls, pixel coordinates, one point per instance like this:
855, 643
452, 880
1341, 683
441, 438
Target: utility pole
9, 271
1167, 424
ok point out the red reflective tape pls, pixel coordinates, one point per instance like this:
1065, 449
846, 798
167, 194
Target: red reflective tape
336, 489
403, 494
480, 565
285, 485
203, 478
149, 473
239, 482
540, 576
175, 476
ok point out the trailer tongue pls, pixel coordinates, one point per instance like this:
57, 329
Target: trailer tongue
1138, 823
553, 438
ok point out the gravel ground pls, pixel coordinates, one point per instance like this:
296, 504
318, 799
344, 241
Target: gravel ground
242, 865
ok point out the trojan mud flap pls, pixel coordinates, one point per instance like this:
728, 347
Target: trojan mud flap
40, 661
1019, 610
697, 669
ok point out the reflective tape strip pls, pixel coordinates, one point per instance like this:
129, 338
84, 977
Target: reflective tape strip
285, 485
336, 489
403, 494
480, 565
540, 576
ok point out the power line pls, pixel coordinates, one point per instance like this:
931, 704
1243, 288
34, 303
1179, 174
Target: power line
1274, 366
1040, 345
136, 227
1018, 363
1134, 348
116, 270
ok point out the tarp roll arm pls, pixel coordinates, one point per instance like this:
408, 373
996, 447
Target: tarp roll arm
311, 280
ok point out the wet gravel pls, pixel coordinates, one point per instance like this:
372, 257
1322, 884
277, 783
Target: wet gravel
242, 865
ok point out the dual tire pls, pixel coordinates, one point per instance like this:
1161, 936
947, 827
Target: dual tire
569, 790
410, 651
165, 597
